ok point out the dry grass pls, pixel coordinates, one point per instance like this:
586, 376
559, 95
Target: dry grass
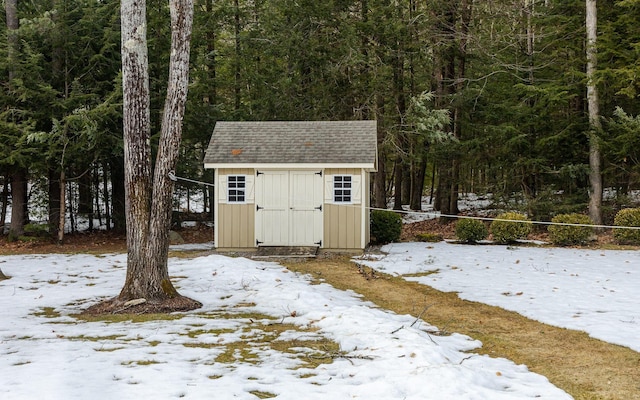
586, 368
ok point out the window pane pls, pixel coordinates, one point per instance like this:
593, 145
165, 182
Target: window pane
342, 189
236, 186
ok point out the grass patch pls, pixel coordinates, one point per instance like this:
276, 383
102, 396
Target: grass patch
47, 312
245, 304
201, 345
250, 316
260, 333
198, 332
420, 274
263, 395
135, 318
109, 350
140, 363
84, 338
238, 352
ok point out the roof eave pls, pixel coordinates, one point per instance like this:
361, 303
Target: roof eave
369, 167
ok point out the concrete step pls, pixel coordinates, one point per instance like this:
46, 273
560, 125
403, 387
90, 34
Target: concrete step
286, 251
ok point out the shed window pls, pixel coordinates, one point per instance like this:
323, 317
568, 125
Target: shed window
236, 188
342, 185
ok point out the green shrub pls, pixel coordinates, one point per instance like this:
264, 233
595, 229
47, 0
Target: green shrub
565, 235
39, 230
471, 230
627, 217
508, 231
386, 226
429, 237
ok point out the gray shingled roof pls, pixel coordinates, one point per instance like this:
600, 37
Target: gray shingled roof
293, 142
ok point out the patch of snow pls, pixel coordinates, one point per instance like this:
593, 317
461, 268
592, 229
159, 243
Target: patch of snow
595, 291
45, 352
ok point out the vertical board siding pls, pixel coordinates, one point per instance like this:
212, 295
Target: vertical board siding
366, 197
236, 221
342, 223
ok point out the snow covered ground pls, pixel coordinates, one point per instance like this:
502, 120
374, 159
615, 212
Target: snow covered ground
595, 291
47, 353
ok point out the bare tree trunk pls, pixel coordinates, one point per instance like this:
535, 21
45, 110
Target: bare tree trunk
595, 157
13, 23
63, 208
380, 179
137, 150
5, 200
148, 207
18, 202
85, 192
18, 176
54, 202
168, 148
418, 183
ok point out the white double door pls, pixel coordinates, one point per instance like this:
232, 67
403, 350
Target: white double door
289, 208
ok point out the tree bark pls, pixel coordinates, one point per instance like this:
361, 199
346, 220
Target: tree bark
148, 207
118, 213
142, 279
18, 202
54, 201
168, 148
418, 182
85, 193
63, 202
595, 157
13, 23
4, 198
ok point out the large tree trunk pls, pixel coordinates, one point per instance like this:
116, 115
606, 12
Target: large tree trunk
149, 206
18, 203
136, 128
162, 190
595, 157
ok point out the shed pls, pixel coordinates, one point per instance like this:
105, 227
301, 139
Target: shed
292, 184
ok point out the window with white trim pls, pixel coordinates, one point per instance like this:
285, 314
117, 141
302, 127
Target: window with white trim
236, 188
342, 186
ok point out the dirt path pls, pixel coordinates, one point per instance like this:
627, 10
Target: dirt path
584, 367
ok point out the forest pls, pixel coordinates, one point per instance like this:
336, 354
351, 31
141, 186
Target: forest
513, 98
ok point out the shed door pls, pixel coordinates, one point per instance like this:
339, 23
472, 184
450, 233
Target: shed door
289, 208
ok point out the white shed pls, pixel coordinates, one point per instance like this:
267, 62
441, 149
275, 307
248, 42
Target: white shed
295, 183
